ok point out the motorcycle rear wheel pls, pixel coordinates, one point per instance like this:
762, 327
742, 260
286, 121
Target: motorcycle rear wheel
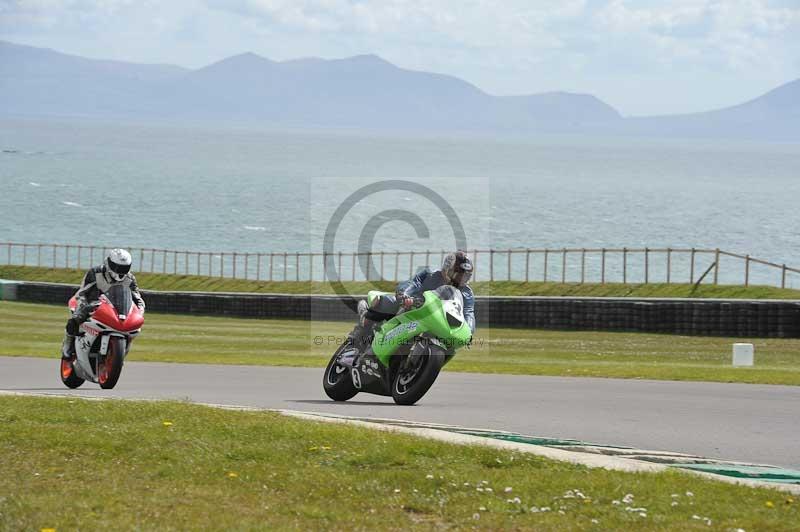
337, 382
111, 366
408, 387
68, 375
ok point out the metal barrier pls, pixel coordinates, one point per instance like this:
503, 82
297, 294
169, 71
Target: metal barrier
564, 265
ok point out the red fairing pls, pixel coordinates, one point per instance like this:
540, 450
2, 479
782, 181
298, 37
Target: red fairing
73, 303
134, 321
107, 315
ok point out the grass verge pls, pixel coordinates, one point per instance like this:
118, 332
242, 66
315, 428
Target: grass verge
36, 330
100, 465
168, 282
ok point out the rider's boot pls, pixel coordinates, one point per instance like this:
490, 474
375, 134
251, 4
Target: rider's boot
68, 347
362, 333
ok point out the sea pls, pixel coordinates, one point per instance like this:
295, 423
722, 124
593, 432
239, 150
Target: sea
223, 189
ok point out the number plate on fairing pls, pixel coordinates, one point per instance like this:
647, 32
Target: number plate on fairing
104, 344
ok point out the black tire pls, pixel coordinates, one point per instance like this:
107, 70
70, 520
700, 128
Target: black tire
68, 375
409, 392
337, 382
111, 365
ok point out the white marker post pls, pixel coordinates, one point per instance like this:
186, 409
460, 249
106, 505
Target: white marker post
743, 354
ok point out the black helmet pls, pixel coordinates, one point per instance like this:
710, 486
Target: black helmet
457, 268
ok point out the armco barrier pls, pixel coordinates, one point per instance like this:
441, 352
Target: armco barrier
710, 317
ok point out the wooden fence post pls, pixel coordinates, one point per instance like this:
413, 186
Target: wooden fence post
716, 267
546, 254
747, 270
691, 267
583, 265
509, 264
380, 277
474, 264
491, 265
411, 265
527, 264
396, 265
285, 264
624, 265
646, 265
39, 256
564, 266
271, 260
603, 266
669, 264
222, 264
296, 265
66, 258
783, 276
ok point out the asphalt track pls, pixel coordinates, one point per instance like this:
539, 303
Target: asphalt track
743, 422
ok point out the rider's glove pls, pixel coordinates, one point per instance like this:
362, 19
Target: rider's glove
405, 301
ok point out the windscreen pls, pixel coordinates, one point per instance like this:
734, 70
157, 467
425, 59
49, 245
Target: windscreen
120, 296
450, 293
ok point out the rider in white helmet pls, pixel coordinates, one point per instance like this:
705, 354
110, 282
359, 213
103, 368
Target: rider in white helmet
115, 270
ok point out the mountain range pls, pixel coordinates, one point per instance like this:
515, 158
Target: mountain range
363, 91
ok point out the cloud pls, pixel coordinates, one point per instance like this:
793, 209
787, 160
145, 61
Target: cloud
639, 55
467, 23
738, 33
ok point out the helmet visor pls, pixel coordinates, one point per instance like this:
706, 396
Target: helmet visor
462, 273
121, 270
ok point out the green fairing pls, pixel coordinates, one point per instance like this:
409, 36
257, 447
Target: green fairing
430, 318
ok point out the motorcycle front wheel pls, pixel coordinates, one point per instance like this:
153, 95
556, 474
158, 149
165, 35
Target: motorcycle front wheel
111, 366
411, 383
337, 382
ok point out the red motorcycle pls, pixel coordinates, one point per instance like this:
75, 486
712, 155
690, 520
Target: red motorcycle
104, 340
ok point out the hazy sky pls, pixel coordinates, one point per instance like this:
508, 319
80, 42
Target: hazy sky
642, 57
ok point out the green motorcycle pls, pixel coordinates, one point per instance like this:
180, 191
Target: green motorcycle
406, 353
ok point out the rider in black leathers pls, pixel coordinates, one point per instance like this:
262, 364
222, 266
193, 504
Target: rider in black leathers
115, 270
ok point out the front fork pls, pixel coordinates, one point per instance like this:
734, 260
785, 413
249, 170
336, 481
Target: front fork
83, 363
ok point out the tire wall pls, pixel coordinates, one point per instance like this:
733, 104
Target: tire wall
708, 317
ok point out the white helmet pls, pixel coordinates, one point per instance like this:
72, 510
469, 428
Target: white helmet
118, 264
